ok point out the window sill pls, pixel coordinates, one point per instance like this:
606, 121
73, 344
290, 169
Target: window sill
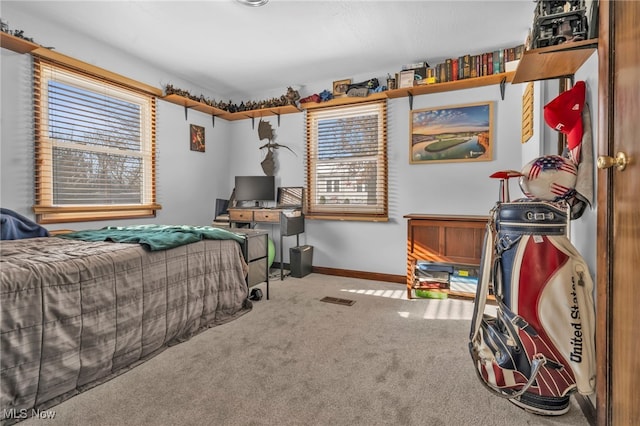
345, 218
50, 214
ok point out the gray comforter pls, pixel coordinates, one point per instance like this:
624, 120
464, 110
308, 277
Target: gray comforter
75, 314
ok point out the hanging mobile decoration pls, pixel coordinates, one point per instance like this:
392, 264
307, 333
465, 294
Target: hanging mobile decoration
265, 131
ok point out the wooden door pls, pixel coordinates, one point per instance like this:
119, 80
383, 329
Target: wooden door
618, 294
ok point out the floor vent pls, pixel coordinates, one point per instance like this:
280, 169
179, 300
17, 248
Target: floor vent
338, 301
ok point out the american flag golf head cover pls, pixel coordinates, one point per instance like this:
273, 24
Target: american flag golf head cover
549, 178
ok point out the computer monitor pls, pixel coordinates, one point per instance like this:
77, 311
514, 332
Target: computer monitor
255, 188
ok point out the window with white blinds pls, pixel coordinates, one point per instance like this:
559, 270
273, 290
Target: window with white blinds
95, 147
347, 162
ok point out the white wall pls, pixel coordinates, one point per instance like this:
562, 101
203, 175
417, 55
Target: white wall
189, 182
443, 188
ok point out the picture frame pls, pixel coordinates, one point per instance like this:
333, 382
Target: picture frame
340, 87
406, 78
196, 138
456, 133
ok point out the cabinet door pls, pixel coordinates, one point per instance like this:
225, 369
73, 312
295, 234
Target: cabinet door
463, 242
447, 242
257, 246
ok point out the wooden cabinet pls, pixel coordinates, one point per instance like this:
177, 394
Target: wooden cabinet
443, 239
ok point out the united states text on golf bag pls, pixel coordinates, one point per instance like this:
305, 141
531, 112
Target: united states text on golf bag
539, 347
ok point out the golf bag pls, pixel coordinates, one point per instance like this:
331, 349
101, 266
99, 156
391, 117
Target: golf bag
539, 346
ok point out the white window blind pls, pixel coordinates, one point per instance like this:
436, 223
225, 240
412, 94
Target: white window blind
347, 162
95, 147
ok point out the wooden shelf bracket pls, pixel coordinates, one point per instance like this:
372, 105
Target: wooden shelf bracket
503, 85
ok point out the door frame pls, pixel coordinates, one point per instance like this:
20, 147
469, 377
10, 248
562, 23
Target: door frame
604, 268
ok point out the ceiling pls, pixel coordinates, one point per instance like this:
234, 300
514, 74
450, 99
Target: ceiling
235, 51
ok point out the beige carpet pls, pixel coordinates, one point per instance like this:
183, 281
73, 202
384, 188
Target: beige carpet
295, 360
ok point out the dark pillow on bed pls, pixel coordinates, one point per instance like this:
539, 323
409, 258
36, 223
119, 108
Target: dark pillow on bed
14, 226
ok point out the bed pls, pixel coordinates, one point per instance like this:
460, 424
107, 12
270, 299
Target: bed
76, 313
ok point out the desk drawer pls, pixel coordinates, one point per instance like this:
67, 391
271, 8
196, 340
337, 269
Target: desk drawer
241, 215
257, 246
266, 216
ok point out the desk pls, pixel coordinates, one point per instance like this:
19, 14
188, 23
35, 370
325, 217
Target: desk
289, 225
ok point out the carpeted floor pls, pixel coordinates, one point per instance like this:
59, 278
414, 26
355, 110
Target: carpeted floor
295, 360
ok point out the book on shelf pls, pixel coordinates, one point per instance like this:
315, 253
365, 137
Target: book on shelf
469, 65
498, 62
454, 69
466, 66
473, 67
426, 284
415, 65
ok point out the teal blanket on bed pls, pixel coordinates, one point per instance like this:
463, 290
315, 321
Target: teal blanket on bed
155, 237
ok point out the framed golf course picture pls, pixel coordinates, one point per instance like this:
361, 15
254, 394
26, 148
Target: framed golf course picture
451, 133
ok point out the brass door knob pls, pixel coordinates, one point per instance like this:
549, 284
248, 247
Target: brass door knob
620, 161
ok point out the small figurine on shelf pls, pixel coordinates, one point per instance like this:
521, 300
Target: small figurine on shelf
292, 96
391, 82
326, 95
310, 98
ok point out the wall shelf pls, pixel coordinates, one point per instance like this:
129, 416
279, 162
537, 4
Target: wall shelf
344, 100
448, 86
554, 61
197, 105
189, 103
17, 44
467, 83
259, 113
